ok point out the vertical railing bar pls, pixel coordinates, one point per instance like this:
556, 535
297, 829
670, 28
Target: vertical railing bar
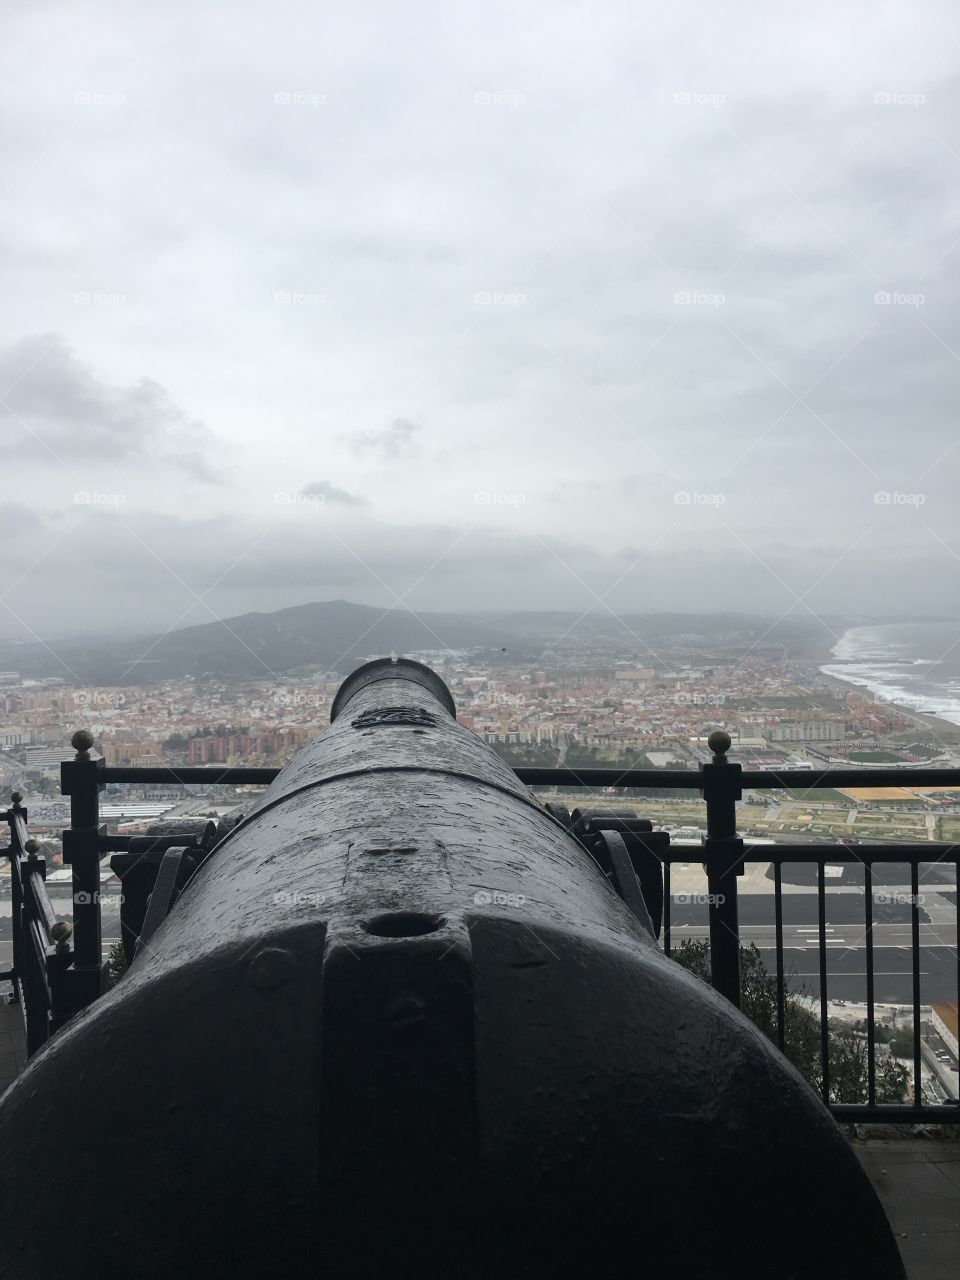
824, 1032
781, 993
871, 1049
915, 953
666, 907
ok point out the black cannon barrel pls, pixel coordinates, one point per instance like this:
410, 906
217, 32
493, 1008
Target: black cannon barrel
398, 1023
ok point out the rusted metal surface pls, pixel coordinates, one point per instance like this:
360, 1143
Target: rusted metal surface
399, 1023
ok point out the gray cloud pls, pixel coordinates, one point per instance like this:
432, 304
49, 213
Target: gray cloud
328, 492
395, 441
60, 410
16, 519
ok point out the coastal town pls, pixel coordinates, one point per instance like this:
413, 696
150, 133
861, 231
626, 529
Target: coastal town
579, 711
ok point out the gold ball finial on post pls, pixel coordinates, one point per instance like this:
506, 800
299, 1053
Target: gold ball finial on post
719, 743
82, 741
61, 934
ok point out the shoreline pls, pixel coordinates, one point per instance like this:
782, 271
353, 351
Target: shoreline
923, 719
938, 725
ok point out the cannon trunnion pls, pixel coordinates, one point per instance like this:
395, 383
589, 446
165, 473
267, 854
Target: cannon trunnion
399, 1023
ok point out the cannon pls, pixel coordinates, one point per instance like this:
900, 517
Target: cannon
399, 1022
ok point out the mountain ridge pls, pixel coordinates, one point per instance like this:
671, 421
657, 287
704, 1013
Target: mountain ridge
338, 634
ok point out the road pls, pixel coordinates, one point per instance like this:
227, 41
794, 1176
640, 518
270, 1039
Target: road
845, 941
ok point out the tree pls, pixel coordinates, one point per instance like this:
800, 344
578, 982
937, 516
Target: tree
116, 964
848, 1070
901, 1044
846, 1047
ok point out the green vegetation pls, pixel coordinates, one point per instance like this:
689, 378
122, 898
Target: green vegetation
901, 1045
847, 1046
116, 964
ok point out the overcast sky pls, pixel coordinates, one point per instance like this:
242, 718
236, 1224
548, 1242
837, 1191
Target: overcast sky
617, 306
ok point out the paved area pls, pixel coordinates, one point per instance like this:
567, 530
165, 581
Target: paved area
918, 1182
13, 1049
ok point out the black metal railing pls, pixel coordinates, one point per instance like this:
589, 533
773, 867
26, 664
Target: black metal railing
866, 856
75, 982
42, 954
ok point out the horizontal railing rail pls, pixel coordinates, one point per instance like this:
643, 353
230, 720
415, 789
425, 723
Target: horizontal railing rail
549, 776
723, 852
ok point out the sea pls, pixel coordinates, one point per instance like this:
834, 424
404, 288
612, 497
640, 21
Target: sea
912, 664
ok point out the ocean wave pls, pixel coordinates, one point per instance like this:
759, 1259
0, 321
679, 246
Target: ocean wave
860, 644
873, 659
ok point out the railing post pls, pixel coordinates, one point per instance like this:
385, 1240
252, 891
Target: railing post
80, 779
723, 858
